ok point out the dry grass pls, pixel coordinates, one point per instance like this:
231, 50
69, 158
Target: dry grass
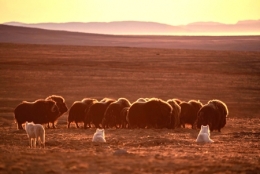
29, 72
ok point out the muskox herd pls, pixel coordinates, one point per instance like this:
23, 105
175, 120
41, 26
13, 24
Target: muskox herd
120, 113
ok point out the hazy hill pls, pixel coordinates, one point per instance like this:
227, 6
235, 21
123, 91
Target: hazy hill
248, 27
14, 34
241, 27
124, 27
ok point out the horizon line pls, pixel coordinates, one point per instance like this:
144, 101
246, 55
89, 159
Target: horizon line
131, 21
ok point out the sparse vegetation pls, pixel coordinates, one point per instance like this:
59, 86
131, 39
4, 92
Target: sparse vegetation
30, 72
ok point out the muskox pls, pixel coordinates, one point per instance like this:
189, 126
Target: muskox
154, 113
176, 110
78, 111
96, 111
112, 113
39, 112
189, 112
60, 101
214, 114
124, 117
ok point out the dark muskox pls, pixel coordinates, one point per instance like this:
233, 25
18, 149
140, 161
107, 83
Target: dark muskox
78, 111
96, 111
112, 113
214, 114
176, 111
153, 113
60, 101
39, 112
89, 102
124, 117
189, 112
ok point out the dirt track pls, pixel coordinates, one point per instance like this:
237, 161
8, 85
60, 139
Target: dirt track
29, 72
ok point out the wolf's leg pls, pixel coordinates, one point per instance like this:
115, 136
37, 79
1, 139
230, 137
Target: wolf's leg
30, 142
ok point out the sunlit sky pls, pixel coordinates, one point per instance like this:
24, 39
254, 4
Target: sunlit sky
173, 12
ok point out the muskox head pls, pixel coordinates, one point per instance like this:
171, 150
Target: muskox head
60, 101
52, 107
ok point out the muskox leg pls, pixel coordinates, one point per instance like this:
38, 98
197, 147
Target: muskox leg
123, 125
53, 125
19, 126
193, 126
85, 126
97, 126
77, 125
68, 124
103, 123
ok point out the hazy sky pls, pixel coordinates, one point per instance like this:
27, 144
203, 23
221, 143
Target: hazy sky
174, 12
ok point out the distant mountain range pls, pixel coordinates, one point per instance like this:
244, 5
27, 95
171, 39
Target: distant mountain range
247, 27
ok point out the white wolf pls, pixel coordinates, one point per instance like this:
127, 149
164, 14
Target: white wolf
204, 135
99, 136
35, 132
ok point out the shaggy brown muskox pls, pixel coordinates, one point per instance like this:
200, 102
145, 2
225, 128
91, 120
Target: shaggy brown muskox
39, 112
222, 108
189, 112
78, 111
214, 114
176, 111
123, 117
153, 113
60, 101
112, 113
89, 102
96, 111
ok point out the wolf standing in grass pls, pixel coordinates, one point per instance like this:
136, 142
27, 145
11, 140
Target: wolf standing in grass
35, 132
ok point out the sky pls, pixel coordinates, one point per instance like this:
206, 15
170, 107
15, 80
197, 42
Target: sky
173, 12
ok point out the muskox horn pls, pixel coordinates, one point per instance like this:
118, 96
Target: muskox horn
53, 109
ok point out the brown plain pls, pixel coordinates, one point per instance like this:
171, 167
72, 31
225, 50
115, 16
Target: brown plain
29, 72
